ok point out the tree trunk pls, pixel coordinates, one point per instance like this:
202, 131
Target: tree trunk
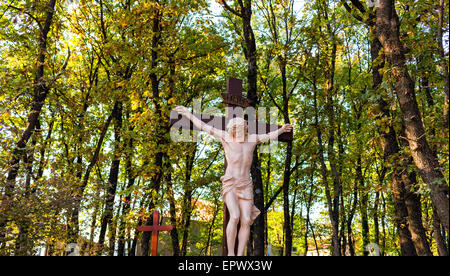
40, 92
363, 206
160, 136
331, 204
387, 31
287, 166
444, 64
414, 208
308, 208
173, 215
113, 174
351, 245
187, 200
390, 147
376, 224
406, 244
73, 225
440, 241
127, 203
252, 74
407, 204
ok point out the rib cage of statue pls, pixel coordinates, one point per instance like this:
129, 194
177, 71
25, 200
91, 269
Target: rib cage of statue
237, 185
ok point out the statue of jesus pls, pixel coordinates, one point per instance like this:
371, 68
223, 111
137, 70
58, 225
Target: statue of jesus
237, 185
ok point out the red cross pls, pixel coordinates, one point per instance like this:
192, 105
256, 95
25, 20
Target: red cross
155, 228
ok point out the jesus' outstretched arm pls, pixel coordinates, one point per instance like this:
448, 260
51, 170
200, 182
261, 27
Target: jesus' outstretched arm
262, 138
217, 133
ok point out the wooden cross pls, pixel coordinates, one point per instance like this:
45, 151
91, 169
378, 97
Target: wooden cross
155, 228
232, 98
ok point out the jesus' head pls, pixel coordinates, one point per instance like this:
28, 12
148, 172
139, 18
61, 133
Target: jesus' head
238, 129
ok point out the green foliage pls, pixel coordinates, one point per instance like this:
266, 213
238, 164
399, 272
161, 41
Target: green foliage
152, 55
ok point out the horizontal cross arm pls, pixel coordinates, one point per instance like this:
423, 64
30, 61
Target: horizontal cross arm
220, 123
145, 228
164, 228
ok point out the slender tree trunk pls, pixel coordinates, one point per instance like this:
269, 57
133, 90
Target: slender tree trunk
113, 174
414, 208
406, 244
47, 141
23, 243
351, 245
287, 166
187, 200
331, 155
73, 225
314, 238
444, 64
331, 204
363, 206
161, 140
208, 246
418, 232
440, 241
131, 177
376, 224
173, 216
342, 236
387, 31
332, 160
308, 208
40, 92
252, 75
92, 226
113, 229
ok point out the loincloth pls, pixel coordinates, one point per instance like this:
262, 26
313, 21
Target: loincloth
241, 189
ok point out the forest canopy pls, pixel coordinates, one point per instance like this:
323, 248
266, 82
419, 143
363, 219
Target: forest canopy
87, 88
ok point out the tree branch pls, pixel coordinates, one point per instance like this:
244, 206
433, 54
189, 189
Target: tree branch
272, 199
358, 5
23, 10
63, 68
227, 7
349, 10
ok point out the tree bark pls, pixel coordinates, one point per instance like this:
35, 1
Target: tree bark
161, 140
390, 147
387, 31
41, 90
131, 177
187, 201
113, 174
172, 212
287, 165
308, 208
444, 64
440, 241
363, 206
331, 204
414, 208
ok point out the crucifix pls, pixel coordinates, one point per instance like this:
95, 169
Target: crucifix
155, 228
239, 141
